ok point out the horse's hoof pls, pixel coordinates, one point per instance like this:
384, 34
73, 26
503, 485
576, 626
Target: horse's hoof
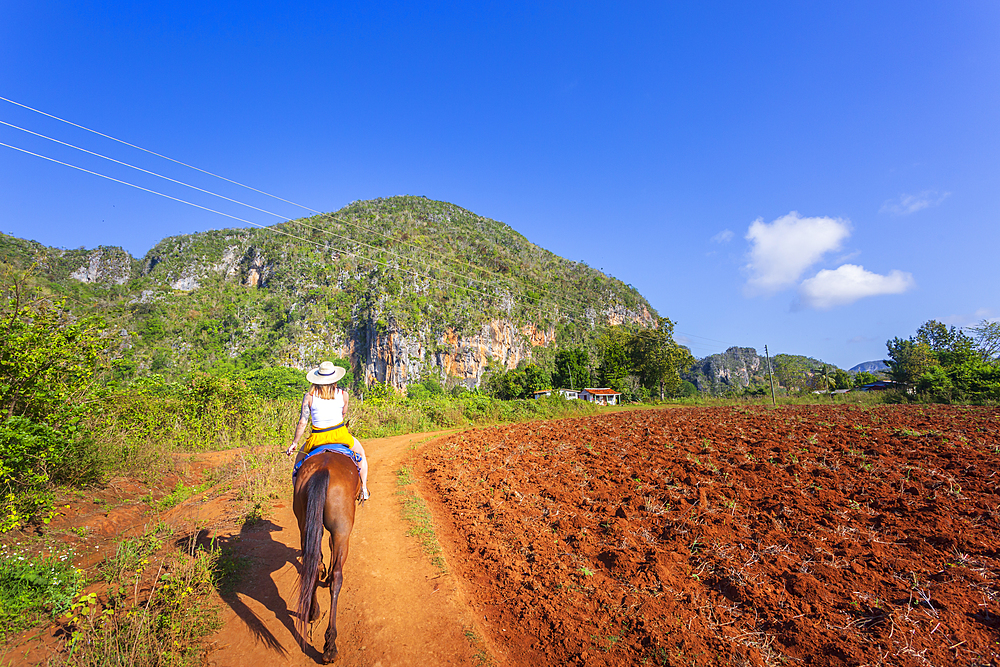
330, 654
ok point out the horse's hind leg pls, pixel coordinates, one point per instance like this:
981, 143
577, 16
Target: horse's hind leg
338, 544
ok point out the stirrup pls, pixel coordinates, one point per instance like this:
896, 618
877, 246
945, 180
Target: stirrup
365, 495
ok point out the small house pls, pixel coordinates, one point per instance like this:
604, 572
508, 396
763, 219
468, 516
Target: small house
570, 394
600, 395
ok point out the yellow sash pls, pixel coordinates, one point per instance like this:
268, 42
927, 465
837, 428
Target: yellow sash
333, 435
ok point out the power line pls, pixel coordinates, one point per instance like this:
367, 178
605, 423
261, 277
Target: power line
302, 206
214, 194
145, 171
145, 150
721, 342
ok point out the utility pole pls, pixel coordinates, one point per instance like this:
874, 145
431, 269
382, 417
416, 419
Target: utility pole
767, 354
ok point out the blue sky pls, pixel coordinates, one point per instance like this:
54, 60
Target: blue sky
817, 177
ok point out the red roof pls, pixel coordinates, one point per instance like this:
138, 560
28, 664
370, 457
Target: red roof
602, 392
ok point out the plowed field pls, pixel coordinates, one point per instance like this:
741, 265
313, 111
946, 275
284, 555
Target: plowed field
719, 536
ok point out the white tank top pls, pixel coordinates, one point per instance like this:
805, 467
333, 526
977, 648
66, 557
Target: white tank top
327, 412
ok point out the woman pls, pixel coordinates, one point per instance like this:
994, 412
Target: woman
325, 404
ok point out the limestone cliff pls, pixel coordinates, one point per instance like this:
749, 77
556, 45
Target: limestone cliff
731, 370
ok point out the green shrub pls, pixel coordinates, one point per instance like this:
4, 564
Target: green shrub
380, 393
34, 589
276, 382
34, 456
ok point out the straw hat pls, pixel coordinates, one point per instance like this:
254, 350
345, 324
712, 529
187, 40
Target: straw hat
327, 373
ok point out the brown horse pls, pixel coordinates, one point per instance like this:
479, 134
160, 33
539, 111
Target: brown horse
326, 487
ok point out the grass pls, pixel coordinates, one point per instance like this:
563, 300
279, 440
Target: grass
416, 514
167, 628
265, 477
178, 495
34, 589
482, 656
132, 556
398, 416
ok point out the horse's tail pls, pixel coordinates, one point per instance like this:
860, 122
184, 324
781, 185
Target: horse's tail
312, 553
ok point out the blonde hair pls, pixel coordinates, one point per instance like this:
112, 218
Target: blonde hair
324, 391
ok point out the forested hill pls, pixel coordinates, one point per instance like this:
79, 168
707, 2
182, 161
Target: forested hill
741, 368
402, 287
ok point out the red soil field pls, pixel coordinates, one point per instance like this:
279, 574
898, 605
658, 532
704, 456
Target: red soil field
814, 535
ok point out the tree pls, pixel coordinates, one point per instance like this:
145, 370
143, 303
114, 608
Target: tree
792, 371
615, 362
572, 368
841, 379
49, 360
49, 363
864, 377
945, 365
824, 378
520, 382
908, 360
986, 336
938, 336
658, 359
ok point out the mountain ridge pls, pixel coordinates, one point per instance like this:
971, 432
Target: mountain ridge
402, 287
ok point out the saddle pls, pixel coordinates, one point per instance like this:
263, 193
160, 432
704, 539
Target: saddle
337, 448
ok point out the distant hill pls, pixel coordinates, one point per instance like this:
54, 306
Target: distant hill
732, 370
869, 367
739, 368
402, 287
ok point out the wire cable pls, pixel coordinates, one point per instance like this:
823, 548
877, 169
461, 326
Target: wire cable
146, 150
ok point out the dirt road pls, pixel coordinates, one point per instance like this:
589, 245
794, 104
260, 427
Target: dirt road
396, 608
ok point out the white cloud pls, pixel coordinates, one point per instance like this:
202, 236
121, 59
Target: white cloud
847, 284
907, 204
781, 251
725, 236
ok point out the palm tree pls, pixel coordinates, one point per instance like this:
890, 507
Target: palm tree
826, 376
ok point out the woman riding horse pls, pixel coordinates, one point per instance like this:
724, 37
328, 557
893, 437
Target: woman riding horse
326, 487
330, 472
325, 405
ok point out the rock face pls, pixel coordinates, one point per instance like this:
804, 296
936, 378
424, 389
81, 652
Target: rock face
399, 359
105, 265
733, 369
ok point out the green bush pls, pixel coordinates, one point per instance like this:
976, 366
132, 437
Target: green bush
34, 456
33, 589
27, 452
276, 382
380, 393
